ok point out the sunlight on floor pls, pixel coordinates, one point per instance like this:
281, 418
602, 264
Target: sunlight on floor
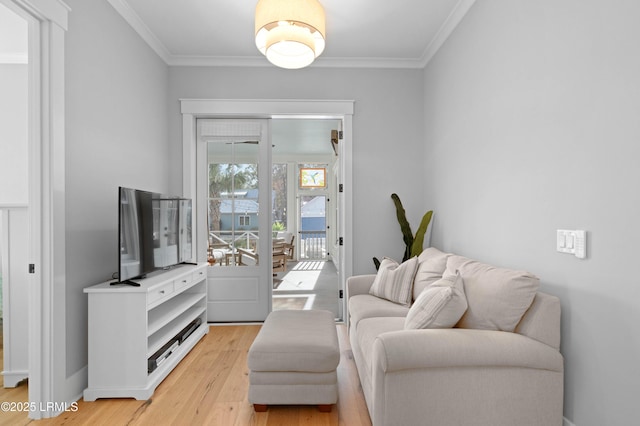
293, 301
302, 276
309, 266
299, 281
307, 285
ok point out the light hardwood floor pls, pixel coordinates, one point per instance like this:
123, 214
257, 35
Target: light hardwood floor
209, 387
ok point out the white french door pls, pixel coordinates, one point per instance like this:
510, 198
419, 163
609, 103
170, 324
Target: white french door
234, 213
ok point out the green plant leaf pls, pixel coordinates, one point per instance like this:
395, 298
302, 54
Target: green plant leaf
376, 263
407, 234
418, 241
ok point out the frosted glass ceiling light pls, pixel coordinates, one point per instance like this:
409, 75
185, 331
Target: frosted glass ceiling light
290, 33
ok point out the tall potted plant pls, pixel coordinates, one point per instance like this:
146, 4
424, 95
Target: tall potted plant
412, 242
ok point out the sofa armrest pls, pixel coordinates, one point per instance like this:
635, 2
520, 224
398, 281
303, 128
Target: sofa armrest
359, 284
542, 320
502, 377
440, 348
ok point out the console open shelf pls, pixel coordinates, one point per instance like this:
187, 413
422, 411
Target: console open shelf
128, 325
167, 312
158, 339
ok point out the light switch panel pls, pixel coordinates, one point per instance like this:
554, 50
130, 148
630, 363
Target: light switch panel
580, 244
572, 242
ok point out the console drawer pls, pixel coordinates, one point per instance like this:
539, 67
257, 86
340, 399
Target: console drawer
199, 275
160, 292
183, 281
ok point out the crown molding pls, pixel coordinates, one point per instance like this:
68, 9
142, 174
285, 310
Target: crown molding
218, 61
129, 15
329, 62
321, 62
452, 21
446, 29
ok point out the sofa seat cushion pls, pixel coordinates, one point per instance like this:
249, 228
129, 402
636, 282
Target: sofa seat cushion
497, 297
362, 306
369, 329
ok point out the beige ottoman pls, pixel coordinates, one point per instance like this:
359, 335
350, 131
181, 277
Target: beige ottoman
293, 360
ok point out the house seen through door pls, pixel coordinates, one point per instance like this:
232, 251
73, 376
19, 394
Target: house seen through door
301, 253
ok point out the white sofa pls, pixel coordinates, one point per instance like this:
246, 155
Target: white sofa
499, 365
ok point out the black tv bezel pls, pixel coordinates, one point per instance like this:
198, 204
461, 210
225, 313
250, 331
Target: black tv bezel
130, 280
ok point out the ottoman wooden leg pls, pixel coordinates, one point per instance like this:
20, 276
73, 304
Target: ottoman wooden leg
260, 408
324, 408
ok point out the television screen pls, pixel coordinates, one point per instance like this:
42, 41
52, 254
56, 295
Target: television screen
154, 232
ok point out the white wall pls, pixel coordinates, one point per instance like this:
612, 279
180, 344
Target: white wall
387, 136
116, 122
531, 123
14, 142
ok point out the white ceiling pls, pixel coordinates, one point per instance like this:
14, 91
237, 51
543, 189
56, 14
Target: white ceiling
360, 33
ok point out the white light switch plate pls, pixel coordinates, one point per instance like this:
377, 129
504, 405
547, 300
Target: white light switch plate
580, 244
572, 242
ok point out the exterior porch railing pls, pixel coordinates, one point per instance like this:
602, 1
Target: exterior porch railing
313, 245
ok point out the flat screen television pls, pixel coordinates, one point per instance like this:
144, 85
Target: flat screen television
154, 233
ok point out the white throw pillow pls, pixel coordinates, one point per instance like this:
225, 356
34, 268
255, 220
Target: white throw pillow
395, 282
441, 305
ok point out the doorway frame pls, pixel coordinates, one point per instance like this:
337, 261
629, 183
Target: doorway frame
193, 109
48, 23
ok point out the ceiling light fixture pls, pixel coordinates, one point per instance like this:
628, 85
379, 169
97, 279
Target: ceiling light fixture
290, 33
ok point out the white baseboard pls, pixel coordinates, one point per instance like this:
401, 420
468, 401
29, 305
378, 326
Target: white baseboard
566, 422
76, 383
13, 377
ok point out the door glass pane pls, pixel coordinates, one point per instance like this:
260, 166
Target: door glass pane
313, 227
233, 202
279, 197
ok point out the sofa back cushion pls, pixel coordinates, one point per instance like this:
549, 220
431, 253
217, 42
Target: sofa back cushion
432, 264
497, 297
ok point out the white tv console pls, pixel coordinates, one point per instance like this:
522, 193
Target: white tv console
128, 325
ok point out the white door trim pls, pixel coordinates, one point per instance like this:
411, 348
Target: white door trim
47, 364
192, 109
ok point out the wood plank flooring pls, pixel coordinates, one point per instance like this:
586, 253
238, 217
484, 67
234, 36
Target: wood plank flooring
209, 387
